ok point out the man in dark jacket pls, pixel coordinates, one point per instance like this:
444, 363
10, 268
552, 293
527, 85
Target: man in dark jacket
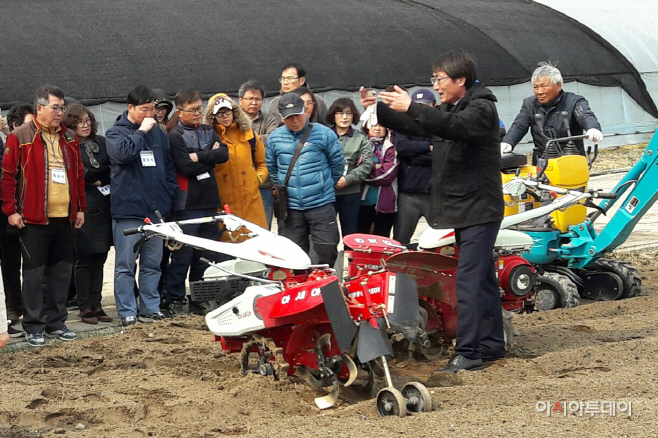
543, 114
293, 76
143, 181
195, 149
10, 254
466, 194
414, 179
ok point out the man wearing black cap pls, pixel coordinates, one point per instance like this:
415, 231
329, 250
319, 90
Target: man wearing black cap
316, 171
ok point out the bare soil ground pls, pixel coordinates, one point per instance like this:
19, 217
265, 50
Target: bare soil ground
169, 380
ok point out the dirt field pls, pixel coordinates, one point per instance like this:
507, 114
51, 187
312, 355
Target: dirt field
170, 380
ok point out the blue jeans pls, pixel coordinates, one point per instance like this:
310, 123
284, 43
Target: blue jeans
187, 258
268, 203
150, 256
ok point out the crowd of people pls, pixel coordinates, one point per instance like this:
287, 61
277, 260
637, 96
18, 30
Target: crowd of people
68, 193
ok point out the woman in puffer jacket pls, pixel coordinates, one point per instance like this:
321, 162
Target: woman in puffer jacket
380, 189
341, 117
239, 178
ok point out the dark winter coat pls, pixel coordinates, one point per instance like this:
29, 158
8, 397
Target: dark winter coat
415, 159
138, 191
580, 118
466, 183
197, 186
95, 236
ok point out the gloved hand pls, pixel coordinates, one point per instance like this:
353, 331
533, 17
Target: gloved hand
594, 135
505, 148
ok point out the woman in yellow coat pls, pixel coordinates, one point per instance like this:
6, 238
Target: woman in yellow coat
238, 179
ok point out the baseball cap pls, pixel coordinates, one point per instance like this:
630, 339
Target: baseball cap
423, 95
220, 103
290, 104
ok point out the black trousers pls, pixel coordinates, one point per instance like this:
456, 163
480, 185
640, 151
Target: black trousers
479, 314
411, 207
47, 247
373, 222
320, 223
89, 280
10, 261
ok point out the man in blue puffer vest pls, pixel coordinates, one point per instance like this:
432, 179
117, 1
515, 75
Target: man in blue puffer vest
311, 186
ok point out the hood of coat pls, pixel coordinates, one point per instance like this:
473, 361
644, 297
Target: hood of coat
244, 123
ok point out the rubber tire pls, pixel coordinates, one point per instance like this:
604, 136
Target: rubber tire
399, 408
419, 390
629, 275
563, 285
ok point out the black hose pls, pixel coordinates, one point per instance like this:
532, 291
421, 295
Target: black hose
569, 273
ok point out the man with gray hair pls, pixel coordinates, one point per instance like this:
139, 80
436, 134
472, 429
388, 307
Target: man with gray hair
250, 95
542, 114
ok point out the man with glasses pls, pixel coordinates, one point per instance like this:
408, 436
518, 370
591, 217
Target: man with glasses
43, 196
195, 149
143, 181
250, 96
466, 193
292, 77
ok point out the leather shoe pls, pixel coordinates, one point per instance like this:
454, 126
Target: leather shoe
490, 357
101, 315
459, 362
88, 317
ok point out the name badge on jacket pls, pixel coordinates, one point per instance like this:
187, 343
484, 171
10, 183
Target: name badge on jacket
58, 176
148, 159
105, 190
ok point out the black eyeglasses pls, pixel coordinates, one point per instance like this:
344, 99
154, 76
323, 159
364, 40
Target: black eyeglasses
83, 123
193, 111
287, 79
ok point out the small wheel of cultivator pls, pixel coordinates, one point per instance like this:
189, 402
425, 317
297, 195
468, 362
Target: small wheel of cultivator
391, 403
417, 397
553, 290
